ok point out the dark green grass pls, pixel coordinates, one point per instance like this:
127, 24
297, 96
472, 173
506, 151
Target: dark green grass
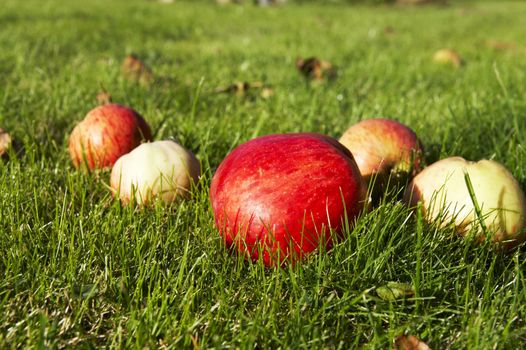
82, 271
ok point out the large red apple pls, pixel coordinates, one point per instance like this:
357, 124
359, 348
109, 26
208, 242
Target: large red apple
280, 195
443, 190
106, 133
384, 149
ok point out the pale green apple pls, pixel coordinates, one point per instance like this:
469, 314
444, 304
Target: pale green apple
161, 169
447, 56
442, 188
5, 142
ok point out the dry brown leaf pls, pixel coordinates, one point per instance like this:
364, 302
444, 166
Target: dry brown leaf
238, 88
103, 98
226, 2
195, 344
448, 56
389, 30
500, 46
409, 342
5, 142
421, 2
136, 70
314, 68
266, 92
241, 88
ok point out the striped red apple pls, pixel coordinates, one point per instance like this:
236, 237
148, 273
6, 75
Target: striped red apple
278, 197
106, 133
385, 150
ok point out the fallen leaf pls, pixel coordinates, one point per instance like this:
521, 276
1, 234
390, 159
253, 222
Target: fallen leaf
195, 344
5, 142
241, 88
103, 98
314, 68
389, 30
500, 46
409, 342
135, 70
421, 2
393, 291
448, 56
226, 2
266, 92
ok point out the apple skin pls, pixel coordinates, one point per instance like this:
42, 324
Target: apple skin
447, 57
160, 169
442, 190
278, 195
106, 133
383, 148
5, 143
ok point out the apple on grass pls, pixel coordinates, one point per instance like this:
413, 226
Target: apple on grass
447, 57
386, 151
5, 142
278, 197
160, 169
106, 133
481, 197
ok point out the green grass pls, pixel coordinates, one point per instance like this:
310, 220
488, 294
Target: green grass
82, 271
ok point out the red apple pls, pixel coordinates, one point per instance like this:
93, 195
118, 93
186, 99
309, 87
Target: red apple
445, 196
384, 149
279, 195
161, 169
106, 133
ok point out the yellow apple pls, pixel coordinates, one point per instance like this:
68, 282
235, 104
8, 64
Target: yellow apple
161, 169
5, 142
447, 56
496, 204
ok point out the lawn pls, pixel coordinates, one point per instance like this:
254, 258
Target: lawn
82, 271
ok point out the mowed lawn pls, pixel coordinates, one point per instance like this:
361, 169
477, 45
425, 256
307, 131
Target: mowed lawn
81, 271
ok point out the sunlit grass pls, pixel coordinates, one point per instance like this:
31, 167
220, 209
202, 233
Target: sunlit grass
83, 271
